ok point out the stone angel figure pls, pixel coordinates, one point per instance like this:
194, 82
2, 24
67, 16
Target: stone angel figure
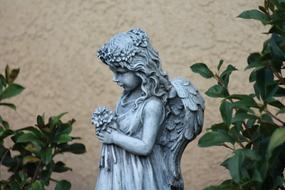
153, 122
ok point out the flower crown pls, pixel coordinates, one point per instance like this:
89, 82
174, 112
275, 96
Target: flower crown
121, 48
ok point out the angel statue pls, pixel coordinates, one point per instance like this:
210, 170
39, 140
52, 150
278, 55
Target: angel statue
154, 120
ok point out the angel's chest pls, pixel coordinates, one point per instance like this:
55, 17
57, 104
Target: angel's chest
129, 122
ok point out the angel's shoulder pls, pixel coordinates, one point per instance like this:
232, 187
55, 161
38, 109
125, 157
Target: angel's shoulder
153, 104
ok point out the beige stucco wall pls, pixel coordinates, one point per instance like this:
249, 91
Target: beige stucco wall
54, 42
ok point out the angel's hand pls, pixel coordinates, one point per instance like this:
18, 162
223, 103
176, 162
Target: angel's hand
107, 137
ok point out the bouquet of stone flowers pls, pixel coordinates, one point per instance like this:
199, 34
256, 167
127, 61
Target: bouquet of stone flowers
101, 119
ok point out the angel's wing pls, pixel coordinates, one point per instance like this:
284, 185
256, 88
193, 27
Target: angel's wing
184, 121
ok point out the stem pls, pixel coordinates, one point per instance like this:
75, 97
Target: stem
218, 79
54, 180
37, 172
276, 118
241, 144
225, 145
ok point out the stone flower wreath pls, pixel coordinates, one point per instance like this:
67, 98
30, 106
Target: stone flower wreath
101, 119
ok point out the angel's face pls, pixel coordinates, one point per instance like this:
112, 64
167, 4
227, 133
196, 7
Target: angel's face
126, 79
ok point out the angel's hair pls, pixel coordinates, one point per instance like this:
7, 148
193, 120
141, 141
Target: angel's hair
133, 52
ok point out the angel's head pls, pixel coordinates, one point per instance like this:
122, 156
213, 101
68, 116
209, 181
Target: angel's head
131, 54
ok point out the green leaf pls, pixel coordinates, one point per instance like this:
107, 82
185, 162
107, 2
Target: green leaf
13, 185
225, 76
64, 128
252, 76
4, 123
30, 159
237, 164
280, 92
276, 103
226, 185
46, 174
5, 133
40, 121
63, 138
63, 185
13, 75
202, 69
217, 91
220, 64
32, 130
236, 133
281, 111
26, 137
274, 43
219, 127
46, 156
11, 90
264, 78
266, 118
37, 185
12, 106
248, 100
7, 72
75, 148
254, 60
60, 167
277, 139
255, 14
23, 176
214, 138
54, 120
33, 147
2, 83
262, 9
226, 111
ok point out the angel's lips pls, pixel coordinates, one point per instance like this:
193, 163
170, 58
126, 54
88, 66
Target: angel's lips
120, 84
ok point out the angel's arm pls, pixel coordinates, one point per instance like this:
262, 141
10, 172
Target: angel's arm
151, 117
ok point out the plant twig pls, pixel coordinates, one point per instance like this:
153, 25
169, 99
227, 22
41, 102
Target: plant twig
37, 171
225, 145
276, 118
54, 180
241, 144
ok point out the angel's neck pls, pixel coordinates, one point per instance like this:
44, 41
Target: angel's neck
131, 96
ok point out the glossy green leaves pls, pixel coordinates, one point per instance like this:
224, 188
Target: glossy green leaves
202, 69
8, 88
34, 149
252, 123
255, 14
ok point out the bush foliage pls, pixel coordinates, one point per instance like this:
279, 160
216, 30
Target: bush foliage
252, 124
30, 159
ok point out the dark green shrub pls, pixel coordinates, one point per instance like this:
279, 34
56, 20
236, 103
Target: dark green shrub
30, 158
252, 124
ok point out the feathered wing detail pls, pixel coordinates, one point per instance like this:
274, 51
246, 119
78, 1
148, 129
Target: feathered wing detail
184, 121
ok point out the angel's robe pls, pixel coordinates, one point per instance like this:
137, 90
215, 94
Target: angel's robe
131, 171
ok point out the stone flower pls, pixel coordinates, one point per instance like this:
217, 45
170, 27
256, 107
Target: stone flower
101, 118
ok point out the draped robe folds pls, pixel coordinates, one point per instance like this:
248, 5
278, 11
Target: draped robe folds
131, 171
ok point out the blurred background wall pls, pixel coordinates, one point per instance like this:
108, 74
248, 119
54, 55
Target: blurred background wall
54, 42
